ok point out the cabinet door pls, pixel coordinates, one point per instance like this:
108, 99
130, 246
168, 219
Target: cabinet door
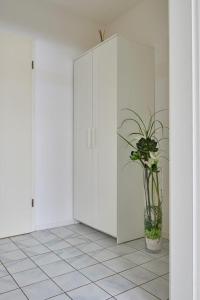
83, 155
105, 124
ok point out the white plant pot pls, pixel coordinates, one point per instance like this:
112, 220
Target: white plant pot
154, 245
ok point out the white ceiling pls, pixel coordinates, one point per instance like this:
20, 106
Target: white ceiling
101, 11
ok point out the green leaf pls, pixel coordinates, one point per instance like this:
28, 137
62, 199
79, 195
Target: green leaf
155, 130
138, 116
123, 138
133, 120
152, 117
153, 233
153, 124
135, 133
135, 155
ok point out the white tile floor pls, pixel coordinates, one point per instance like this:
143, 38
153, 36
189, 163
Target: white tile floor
80, 263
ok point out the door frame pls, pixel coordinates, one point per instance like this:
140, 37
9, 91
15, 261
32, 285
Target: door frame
196, 146
33, 140
184, 28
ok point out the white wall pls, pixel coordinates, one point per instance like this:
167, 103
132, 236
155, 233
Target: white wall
59, 37
42, 19
147, 23
63, 36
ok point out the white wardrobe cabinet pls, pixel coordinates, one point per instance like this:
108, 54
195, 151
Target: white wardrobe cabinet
108, 192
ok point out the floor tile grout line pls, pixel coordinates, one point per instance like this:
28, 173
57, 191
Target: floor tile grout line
16, 284
139, 286
25, 271
157, 276
63, 293
13, 277
84, 253
76, 270
64, 239
43, 280
120, 255
91, 241
123, 256
88, 253
101, 262
116, 273
136, 285
82, 274
52, 279
95, 283
150, 293
119, 293
10, 291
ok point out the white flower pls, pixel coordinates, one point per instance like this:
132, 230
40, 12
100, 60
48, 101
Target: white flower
153, 160
155, 156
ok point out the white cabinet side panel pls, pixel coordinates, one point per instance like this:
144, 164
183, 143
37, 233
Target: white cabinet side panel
135, 91
105, 124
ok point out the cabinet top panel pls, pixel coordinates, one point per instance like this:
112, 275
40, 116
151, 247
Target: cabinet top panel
98, 45
114, 36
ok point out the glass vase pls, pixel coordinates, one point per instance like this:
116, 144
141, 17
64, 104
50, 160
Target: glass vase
153, 210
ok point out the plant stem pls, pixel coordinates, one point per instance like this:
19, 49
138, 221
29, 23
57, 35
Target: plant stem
159, 200
148, 194
145, 189
156, 182
152, 196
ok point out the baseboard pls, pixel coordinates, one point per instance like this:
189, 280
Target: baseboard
53, 225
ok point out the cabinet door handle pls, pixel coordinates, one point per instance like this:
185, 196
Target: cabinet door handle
89, 138
93, 137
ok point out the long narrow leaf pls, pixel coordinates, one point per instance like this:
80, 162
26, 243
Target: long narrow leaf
129, 143
155, 130
133, 120
135, 133
153, 124
138, 116
152, 117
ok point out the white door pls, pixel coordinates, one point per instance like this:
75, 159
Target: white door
84, 200
105, 123
15, 135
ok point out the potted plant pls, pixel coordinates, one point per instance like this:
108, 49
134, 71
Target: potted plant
145, 149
